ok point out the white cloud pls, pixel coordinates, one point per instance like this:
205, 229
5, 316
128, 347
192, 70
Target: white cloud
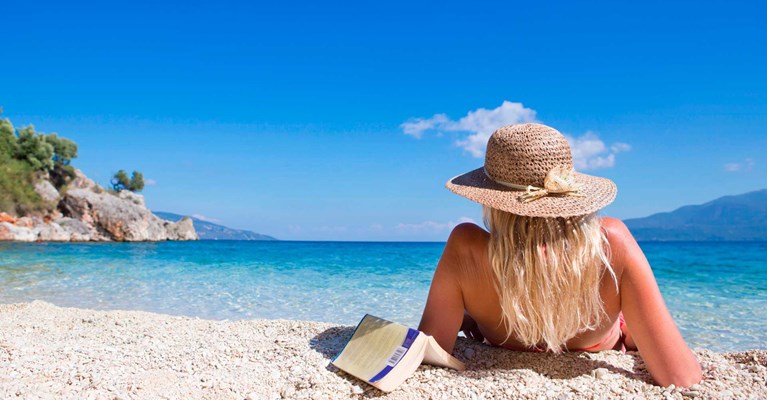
204, 218
430, 226
744, 166
590, 152
483, 122
732, 167
150, 182
619, 147
480, 123
415, 127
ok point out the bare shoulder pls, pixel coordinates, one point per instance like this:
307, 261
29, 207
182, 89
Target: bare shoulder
468, 229
467, 240
614, 227
618, 236
468, 233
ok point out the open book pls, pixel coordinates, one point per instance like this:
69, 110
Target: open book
384, 353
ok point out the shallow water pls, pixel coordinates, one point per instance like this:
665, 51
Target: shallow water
717, 292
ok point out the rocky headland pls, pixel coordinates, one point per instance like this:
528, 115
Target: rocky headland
83, 211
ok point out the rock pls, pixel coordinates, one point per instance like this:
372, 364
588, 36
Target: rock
691, 393
12, 232
47, 191
52, 232
78, 230
5, 232
87, 212
600, 373
469, 353
288, 392
5, 217
81, 181
121, 217
25, 222
181, 230
135, 198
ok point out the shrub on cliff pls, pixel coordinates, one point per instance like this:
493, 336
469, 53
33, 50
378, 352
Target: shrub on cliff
120, 181
42, 152
25, 157
64, 150
34, 149
17, 193
8, 142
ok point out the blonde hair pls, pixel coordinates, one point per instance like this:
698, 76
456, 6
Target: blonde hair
547, 274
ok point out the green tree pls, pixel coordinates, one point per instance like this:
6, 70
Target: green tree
137, 182
8, 143
120, 181
24, 154
64, 150
33, 149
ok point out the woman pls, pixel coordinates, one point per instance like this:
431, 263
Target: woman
550, 275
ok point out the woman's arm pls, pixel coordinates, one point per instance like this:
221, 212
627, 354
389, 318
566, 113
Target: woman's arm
444, 311
660, 344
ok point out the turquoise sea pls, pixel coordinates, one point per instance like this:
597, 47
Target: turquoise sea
717, 292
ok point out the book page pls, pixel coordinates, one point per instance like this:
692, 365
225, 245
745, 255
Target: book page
436, 355
375, 348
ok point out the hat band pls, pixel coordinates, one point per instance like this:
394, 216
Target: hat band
559, 181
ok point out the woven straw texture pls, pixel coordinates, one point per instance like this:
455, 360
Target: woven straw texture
523, 154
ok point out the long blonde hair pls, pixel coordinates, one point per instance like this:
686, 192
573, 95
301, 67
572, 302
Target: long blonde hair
547, 274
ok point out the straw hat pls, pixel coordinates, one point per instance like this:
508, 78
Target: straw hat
529, 171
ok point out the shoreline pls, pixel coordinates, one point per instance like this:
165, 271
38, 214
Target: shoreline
55, 352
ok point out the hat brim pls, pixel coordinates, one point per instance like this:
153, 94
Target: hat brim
595, 193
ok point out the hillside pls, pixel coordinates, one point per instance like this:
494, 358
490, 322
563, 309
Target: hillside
731, 218
210, 231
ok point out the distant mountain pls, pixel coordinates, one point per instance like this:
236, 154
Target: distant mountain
739, 217
210, 231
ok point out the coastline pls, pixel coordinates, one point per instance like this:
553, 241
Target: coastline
54, 352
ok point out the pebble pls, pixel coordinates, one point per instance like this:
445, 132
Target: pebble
287, 392
600, 373
69, 359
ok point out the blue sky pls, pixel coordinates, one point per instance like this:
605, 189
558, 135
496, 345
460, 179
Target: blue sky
291, 119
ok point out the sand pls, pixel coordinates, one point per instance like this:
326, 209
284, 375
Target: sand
67, 353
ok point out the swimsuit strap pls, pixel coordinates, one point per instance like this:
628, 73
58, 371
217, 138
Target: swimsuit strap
621, 323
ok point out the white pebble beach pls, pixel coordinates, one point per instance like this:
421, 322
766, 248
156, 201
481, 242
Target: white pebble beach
67, 353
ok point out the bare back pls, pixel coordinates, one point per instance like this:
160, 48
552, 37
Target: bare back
463, 284
481, 300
